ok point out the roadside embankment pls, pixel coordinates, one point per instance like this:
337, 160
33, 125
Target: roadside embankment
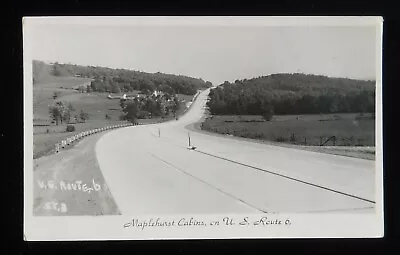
71, 183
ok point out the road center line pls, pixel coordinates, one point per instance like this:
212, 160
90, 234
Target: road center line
208, 184
287, 177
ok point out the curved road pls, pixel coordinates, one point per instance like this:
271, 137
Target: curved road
149, 174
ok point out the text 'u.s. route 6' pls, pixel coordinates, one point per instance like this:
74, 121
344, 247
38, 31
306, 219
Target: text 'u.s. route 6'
65, 186
195, 222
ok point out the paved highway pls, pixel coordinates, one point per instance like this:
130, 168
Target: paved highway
148, 173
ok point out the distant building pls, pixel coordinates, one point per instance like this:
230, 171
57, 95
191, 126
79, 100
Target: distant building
157, 93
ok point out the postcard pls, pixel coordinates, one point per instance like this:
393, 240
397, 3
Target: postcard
202, 127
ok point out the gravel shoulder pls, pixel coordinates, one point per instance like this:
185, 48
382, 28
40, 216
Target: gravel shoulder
71, 183
356, 152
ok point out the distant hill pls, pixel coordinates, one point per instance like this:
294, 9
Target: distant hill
40, 71
117, 80
299, 82
293, 94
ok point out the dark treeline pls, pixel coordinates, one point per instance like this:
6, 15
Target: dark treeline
292, 94
122, 80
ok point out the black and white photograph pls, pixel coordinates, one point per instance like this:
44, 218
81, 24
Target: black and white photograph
202, 127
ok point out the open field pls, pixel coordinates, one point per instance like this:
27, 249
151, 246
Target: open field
50, 81
96, 104
43, 142
44, 90
349, 129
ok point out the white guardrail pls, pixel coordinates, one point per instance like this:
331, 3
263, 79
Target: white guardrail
70, 140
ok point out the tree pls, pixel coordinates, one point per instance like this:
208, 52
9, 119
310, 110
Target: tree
115, 87
208, 84
81, 89
83, 116
122, 103
70, 108
176, 105
67, 116
267, 112
55, 114
131, 111
60, 111
89, 89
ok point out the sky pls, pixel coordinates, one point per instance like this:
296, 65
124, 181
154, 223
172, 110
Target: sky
213, 53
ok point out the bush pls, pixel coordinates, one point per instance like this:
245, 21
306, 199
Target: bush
83, 116
281, 139
143, 114
292, 138
70, 128
268, 113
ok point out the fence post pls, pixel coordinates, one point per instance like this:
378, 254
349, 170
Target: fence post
305, 140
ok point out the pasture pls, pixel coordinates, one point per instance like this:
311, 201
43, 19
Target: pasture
348, 129
44, 89
44, 141
95, 104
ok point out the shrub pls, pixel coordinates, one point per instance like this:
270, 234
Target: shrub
292, 138
143, 114
70, 128
83, 116
268, 113
280, 139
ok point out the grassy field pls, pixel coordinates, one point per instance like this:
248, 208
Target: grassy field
44, 141
44, 89
50, 81
97, 105
348, 129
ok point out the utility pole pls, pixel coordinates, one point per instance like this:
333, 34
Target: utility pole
189, 138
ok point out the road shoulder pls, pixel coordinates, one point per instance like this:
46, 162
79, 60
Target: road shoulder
71, 183
356, 152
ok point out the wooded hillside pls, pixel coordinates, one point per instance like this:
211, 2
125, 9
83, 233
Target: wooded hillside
292, 94
122, 80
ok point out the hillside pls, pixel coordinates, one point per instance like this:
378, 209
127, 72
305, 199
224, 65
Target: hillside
299, 82
120, 80
59, 83
293, 94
